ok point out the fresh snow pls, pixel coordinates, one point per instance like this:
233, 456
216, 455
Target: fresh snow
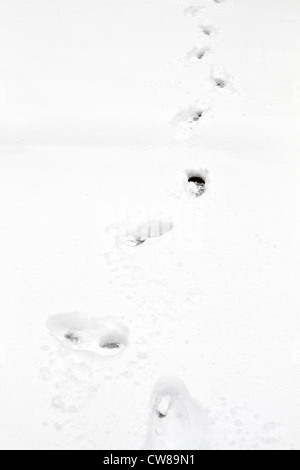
141, 310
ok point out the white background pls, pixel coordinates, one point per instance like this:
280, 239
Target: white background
88, 94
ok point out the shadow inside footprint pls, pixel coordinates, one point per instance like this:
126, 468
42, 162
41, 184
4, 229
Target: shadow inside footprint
222, 79
208, 30
110, 345
220, 82
72, 338
196, 182
111, 342
186, 120
196, 54
199, 184
131, 240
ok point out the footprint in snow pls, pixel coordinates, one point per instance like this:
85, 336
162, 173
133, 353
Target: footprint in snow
196, 54
208, 30
81, 332
221, 79
190, 115
136, 231
186, 120
196, 182
176, 420
192, 10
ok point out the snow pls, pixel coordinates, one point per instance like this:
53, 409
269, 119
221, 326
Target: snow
175, 418
104, 116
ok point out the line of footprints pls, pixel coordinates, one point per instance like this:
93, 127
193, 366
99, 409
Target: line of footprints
187, 119
107, 336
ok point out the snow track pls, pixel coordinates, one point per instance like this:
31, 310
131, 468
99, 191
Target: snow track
141, 148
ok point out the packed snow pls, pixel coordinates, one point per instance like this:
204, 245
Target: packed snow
149, 205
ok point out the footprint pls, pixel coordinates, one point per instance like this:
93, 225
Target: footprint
191, 115
220, 83
196, 54
176, 422
192, 10
77, 331
187, 119
208, 30
221, 79
135, 231
196, 182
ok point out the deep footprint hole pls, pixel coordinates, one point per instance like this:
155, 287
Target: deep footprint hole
196, 182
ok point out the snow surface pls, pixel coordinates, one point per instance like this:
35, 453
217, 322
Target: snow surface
114, 276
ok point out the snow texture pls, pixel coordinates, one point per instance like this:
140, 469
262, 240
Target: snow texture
149, 207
